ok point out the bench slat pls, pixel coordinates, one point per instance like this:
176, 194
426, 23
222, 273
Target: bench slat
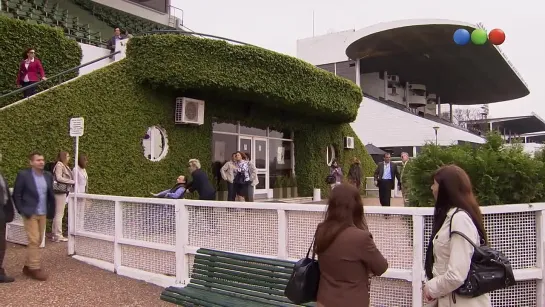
212, 282
223, 267
275, 262
274, 300
184, 300
264, 267
220, 278
219, 298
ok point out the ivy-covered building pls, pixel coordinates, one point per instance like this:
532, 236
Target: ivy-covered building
291, 117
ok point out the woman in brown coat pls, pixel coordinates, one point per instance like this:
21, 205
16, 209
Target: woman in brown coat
347, 253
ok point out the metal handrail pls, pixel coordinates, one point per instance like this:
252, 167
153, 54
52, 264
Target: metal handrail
193, 33
19, 90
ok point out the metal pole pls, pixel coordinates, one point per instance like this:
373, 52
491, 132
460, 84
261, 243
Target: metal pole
435, 137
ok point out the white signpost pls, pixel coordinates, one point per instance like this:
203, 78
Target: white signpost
76, 130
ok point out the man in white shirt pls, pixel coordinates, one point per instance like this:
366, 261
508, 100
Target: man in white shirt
385, 174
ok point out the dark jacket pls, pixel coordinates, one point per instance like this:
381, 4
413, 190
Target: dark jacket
202, 185
111, 42
25, 194
394, 173
7, 212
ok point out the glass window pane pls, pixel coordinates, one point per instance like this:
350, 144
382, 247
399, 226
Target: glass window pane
223, 146
261, 184
260, 159
224, 127
280, 163
253, 131
283, 134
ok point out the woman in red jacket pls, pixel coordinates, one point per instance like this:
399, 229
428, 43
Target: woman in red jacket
30, 71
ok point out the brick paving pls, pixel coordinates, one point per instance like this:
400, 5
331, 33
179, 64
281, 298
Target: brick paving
72, 283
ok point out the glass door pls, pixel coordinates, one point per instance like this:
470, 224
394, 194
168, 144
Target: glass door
260, 160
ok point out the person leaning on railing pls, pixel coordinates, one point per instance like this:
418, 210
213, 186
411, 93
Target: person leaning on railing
30, 72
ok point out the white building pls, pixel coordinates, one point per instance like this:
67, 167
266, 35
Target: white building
410, 72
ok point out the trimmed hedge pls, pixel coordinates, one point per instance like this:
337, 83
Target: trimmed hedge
499, 174
244, 73
118, 113
56, 52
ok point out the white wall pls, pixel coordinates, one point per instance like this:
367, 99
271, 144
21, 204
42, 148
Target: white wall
371, 84
384, 126
138, 10
324, 49
91, 53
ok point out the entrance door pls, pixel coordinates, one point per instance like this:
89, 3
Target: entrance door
257, 150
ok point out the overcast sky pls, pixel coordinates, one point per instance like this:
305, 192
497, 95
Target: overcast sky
278, 24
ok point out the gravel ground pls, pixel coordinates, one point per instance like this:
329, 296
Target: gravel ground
72, 283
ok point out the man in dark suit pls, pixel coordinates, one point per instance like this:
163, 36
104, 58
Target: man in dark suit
112, 41
35, 201
6, 216
384, 179
202, 185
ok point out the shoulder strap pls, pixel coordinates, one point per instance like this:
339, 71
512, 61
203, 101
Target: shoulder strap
311, 245
461, 234
465, 237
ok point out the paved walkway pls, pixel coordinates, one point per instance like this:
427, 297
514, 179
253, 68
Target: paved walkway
72, 283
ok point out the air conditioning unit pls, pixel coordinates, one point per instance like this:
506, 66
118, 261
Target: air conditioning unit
417, 96
349, 142
189, 111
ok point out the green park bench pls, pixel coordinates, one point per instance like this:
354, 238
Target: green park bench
221, 279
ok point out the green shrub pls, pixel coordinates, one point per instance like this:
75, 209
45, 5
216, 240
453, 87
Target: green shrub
56, 52
243, 73
499, 174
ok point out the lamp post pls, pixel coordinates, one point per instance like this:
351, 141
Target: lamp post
436, 128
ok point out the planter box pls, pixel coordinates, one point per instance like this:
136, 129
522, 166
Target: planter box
287, 192
278, 193
294, 192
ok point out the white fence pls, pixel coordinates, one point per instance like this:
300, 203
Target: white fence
156, 240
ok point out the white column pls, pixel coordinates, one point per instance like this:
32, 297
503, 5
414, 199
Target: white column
282, 234
540, 230
118, 234
358, 74
182, 241
418, 251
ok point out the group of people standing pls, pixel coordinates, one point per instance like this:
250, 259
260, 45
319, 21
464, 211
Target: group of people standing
39, 195
336, 176
241, 177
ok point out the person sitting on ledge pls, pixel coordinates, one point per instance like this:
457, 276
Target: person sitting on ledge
176, 192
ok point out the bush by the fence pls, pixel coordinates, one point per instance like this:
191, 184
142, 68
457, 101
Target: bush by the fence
56, 52
500, 174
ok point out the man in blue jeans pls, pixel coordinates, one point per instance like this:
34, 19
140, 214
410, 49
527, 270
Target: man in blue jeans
6, 216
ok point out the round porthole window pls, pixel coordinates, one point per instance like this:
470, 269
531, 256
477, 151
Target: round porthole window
155, 143
330, 155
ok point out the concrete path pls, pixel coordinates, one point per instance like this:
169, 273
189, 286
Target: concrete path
72, 283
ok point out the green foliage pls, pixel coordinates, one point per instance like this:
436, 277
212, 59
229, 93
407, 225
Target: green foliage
56, 52
500, 174
243, 73
118, 114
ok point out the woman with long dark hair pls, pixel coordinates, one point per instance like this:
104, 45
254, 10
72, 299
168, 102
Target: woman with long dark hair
448, 258
347, 253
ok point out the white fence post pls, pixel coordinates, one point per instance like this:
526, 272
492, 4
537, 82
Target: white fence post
282, 234
182, 241
71, 225
118, 234
418, 251
540, 230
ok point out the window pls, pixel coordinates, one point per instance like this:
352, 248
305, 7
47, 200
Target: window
158, 5
253, 131
280, 160
224, 127
155, 143
330, 155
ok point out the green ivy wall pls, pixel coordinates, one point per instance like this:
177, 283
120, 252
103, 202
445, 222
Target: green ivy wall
119, 104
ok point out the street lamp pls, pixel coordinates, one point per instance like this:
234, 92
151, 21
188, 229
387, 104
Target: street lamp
436, 128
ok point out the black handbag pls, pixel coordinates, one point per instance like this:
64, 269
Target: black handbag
59, 187
303, 284
490, 269
330, 179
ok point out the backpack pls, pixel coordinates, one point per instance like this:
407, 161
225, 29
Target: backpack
490, 269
